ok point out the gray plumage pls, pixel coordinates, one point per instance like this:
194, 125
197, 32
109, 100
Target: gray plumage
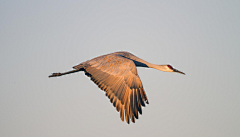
116, 74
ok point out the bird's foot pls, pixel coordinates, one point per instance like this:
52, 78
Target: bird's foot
55, 75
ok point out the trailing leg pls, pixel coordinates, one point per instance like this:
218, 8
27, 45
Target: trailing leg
60, 74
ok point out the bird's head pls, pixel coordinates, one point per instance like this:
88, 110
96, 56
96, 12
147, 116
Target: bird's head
169, 68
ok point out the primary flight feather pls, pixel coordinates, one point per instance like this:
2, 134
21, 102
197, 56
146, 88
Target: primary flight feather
116, 74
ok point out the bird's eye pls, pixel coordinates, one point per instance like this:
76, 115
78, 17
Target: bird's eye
169, 66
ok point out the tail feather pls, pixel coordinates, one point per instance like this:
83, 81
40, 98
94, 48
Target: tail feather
78, 67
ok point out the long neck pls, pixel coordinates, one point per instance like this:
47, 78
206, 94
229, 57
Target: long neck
142, 63
160, 67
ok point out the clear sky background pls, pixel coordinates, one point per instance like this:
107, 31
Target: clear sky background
200, 38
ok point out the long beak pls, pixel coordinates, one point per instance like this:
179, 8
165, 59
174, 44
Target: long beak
174, 70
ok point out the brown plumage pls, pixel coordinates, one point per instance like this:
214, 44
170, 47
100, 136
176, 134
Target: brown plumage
116, 74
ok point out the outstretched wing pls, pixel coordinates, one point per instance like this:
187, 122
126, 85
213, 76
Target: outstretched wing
118, 77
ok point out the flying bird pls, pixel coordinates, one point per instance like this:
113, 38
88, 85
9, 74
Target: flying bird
116, 74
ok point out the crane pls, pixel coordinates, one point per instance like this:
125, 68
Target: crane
116, 74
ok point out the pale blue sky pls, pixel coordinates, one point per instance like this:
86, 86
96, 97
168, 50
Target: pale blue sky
200, 38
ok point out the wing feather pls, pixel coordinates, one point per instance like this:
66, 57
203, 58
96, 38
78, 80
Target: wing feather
136, 104
132, 106
118, 77
127, 110
122, 112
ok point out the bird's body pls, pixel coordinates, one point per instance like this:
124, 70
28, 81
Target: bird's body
116, 74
